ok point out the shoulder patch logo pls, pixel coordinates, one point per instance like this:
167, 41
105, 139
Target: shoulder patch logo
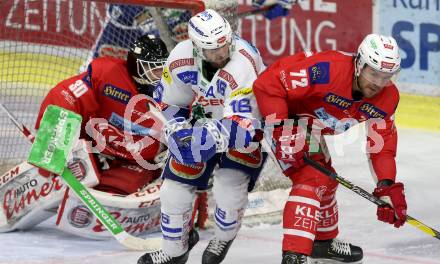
180, 63
319, 73
188, 77
116, 93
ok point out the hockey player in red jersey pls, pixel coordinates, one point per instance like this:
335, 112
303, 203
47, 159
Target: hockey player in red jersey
305, 96
101, 95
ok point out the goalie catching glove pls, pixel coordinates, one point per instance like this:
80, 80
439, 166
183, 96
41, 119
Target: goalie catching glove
199, 143
393, 194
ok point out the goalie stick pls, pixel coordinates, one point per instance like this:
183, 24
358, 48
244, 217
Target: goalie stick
356, 189
113, 226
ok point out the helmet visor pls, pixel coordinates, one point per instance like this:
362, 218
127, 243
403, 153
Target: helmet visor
150, 71
218, 55
380, 79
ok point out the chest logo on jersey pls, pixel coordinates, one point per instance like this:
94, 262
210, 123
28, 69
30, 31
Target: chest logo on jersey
334, 123
188, 77
338, 101
319, 73
372, 111
117, 94
125, 125
228, 78
180, 63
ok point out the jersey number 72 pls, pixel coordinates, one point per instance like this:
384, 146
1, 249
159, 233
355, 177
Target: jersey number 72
300, 80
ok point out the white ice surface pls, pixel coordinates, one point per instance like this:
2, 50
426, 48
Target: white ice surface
418, 164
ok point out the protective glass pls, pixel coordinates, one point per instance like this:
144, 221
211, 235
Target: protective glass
381, 79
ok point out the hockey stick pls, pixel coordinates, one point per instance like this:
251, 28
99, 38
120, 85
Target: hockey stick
112, 225
356, 189
359, 191
23, 129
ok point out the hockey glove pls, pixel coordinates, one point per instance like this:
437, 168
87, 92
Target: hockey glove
290, 145
240, 131
395, 196
192, 145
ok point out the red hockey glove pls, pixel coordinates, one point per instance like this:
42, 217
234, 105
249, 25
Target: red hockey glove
291, 145
395, 196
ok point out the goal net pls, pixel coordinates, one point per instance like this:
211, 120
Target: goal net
43, 42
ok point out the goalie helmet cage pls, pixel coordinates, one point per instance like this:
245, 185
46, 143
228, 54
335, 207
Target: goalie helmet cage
46, 41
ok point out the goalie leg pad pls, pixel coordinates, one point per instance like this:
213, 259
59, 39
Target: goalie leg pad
138, 213
176, 206
29, 195
231, 195
124, 178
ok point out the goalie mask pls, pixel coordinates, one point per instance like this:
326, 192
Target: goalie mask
381, 55
212, 37
145, 61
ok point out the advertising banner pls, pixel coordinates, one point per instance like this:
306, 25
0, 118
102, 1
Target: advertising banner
416, 27
52, 22
311, 25
315, 25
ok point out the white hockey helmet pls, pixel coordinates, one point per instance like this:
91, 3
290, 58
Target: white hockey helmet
209, 30
380, 53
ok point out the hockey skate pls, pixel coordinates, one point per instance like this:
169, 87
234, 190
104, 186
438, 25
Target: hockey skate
294, 258
335, 251
216, 251
160, 257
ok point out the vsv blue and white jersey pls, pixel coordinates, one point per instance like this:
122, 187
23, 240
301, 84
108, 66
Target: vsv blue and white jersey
227, 94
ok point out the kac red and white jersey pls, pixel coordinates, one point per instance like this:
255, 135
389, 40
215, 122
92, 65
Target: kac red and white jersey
101, 96
319, 86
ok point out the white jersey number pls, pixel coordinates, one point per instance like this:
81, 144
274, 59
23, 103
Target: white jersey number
302, 82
